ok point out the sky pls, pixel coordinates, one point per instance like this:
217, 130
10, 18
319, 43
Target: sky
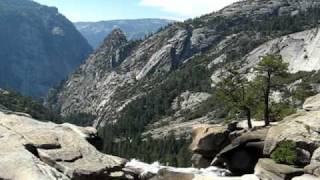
96, 10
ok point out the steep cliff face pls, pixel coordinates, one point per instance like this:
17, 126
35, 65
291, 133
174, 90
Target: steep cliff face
39, 47
157, 55
206, 43
134, 29
300, 50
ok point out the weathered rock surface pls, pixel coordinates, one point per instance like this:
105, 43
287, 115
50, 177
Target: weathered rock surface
316, 156
242, 154
313, 169
179, 124
189, 100
305, 177
209, 140
300, 50
312, 103
176, 126
267, 169
36, 150
198, 161
314, 166
302, 128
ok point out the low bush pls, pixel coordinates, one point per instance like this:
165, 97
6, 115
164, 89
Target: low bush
285, 153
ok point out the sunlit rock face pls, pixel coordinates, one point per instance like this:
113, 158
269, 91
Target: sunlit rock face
301, 50
42, 150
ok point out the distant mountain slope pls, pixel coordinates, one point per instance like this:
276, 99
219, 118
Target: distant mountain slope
191, 54
134, 29
163, 85
38, 47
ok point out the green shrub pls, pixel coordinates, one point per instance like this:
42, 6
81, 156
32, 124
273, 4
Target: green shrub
281, 110
285, 153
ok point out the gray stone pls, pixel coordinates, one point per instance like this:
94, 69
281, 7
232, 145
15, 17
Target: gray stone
301, 128
303, 157
316, 156
198, 161
306, 177
314, 166
242, 154
312, 103
313, 169
42, 150
267, 169
209, 140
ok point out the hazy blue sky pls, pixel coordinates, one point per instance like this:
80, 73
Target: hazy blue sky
95, 10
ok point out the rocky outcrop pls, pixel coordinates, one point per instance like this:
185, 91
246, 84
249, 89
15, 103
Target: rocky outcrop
312, 103
36, 150
189, 100
267, 169
208, 140
243, 153
39, 47
300, 50
178, 123
301, 128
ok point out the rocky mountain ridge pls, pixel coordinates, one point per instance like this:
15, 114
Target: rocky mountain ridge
134, 29
171, 49
39, 47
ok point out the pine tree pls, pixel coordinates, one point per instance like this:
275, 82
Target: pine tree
271, 67
236, 93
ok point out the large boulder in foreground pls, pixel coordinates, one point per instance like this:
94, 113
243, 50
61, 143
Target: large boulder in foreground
38, 150
208, 140
242, 154
302, 128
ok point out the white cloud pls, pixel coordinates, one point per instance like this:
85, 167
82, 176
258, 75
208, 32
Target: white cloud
188, 8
